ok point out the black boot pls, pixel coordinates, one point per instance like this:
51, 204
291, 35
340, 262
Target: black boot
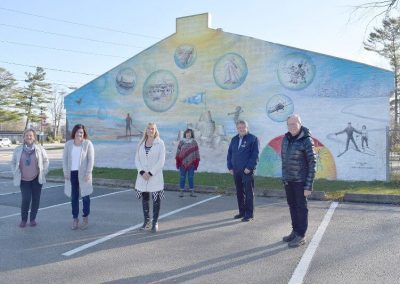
146, 214
156, 212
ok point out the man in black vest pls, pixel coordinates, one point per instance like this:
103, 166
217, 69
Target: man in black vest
298, 172
242, 161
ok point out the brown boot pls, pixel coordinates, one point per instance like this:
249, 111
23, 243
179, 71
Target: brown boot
85, 223
75, 224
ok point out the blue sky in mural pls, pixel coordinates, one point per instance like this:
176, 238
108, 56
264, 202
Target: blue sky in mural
61, 34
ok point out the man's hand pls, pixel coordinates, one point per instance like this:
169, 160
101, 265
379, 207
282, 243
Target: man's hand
307, 192
247, 171
231, 171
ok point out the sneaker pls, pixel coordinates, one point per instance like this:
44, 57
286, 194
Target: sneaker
238, 216
297, 241
33, 223
245, 219
85, 223
22, 224
289, 237
192, 194
181, 193
75, 224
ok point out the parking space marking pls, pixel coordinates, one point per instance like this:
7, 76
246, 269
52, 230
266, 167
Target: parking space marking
124, 231
302, 267
61, 204
15, 192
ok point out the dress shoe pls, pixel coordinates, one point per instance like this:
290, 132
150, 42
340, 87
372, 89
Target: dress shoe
154, 228
22, 224
289, 237
297, 241
245, 219
33, 223
238, 216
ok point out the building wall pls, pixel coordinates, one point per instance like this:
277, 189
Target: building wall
206, 79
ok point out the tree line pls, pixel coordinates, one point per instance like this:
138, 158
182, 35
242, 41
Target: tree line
30, 102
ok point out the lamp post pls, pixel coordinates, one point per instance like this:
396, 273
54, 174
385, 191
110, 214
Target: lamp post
41, 126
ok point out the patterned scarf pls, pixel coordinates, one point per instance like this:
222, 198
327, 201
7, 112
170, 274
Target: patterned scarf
28, 150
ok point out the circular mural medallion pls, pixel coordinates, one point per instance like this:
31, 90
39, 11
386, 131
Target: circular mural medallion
296, 71
279, 107
125, 81
230, 71
185, 55
160, 91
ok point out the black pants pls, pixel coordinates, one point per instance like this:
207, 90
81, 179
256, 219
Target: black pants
298, 206
30, 191
146, 210
244, 192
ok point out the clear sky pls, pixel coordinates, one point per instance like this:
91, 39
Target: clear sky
42, 33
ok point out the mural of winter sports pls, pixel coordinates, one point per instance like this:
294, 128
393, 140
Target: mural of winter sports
206, 79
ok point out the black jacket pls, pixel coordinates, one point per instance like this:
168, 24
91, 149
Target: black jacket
245, 156
299, 158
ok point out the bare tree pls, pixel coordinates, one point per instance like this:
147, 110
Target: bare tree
385, 41
56, 109
384, 7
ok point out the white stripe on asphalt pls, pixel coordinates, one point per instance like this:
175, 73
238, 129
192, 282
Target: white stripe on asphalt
61, 204
14, 192
124, 231
302, 267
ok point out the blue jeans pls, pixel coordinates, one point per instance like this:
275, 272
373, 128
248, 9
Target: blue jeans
75, 197
190, 174
297, 206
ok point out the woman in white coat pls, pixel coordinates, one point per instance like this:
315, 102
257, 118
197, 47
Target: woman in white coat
29, 166
78, 161
149, 161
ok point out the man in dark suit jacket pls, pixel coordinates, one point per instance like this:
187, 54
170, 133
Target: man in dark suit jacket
242, 161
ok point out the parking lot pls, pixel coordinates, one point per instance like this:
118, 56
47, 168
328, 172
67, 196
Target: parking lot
198, 242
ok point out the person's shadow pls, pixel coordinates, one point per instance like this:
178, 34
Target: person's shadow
209, 266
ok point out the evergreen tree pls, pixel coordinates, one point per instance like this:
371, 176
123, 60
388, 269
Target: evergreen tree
385, 41
8, 93
32, 100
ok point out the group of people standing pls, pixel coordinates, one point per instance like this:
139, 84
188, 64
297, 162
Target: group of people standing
30, 164
298, 172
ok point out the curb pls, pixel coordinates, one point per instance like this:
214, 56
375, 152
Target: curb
371, 198
316, 195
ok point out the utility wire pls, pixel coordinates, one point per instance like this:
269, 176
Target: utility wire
76, 23
69, 36
48, 68
60, 49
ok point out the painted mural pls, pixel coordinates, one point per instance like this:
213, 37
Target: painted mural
207, 79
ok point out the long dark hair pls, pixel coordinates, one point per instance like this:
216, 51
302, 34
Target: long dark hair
76, 128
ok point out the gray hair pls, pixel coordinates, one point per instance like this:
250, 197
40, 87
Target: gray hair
295, 116
30, 130
244, 122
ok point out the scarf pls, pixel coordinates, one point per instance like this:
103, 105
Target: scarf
28, 150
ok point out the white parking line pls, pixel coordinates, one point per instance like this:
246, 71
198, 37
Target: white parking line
61, 204
124, 231
15, 192
302, 267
